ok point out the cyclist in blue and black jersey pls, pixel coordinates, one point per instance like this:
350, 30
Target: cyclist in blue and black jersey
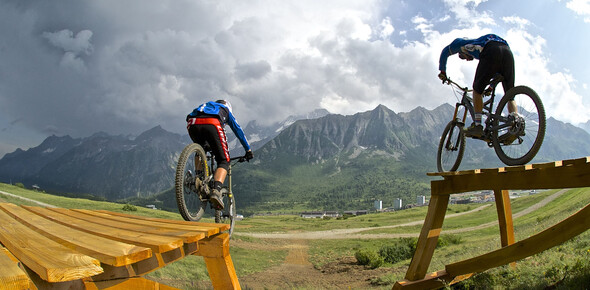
206, 126
494, 57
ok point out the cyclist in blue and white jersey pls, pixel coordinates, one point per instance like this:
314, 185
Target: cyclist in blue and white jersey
494, 57
206, 126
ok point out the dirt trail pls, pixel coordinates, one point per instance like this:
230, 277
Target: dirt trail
27, 199
296, 272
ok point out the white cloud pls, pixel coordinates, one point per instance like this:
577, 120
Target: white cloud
580, 7
467, 14
386, 29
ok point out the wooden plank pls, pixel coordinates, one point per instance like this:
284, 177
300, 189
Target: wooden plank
157, 243
551, 237
215, 251
548, 165
578, 161
493, 170
148, 224
105, 250
220, 226
103, 219
11, 276
52, 261
428, 237
546, 178
454, 173
518, 168
128, 283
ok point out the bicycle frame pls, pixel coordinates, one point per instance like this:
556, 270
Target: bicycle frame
488, 106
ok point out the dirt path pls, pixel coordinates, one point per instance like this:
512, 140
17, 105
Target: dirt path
27, 199
296, 272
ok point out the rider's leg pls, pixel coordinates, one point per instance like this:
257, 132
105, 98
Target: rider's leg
477, 106
219, 177
476, 129
512, 108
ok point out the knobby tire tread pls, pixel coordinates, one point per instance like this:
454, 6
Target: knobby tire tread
542, 126
441, 146
179, 179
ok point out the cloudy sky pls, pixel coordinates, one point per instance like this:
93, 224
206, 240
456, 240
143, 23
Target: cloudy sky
76, 67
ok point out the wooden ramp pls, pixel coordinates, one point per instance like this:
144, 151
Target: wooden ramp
554, 175
92, 249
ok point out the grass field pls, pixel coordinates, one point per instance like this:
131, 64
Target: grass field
564, 267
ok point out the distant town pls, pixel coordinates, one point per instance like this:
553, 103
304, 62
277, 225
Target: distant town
462, 198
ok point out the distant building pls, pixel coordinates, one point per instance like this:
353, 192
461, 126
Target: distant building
397, 204
356, 212
332, 214
421, 200
36, 187
151, 206
312, 214
378, 205
319, 214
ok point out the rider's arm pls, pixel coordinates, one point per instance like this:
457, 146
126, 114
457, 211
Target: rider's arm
235, 127
449, 50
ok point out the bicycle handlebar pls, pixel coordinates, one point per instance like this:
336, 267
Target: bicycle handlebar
450, 82
493, 82
240, 159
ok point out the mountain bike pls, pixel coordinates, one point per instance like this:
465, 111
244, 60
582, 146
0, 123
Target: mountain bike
516, 138
194, 182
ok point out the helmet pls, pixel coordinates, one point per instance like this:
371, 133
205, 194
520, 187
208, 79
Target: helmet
225, 103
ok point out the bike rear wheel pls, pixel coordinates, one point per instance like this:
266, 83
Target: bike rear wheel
192, 170
517, 140
228, 214
451, 147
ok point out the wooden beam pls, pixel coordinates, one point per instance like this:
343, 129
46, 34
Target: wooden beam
551, 237
215, 251
435, 280
124, 284
504, 217
566, 176
428, 237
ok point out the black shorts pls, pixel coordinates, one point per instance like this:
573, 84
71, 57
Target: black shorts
496, 57
209, 133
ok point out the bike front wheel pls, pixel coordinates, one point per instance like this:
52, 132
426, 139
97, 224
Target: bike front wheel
191, 173
451, 147
228, 214
518, 138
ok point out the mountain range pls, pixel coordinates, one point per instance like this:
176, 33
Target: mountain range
318, 161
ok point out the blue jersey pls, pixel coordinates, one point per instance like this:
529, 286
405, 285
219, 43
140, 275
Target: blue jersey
472, 47
225, 115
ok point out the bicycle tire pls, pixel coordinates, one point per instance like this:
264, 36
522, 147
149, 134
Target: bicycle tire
451, 147
530, 108
190, 205
228, 214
